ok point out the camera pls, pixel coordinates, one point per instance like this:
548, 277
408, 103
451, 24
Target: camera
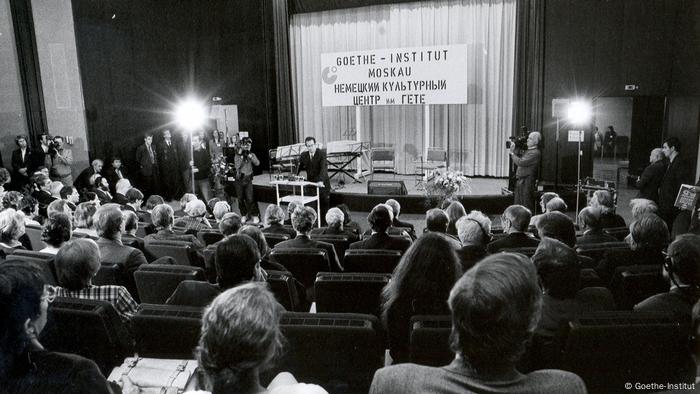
520, 142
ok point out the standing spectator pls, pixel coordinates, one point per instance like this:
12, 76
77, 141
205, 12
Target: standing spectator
114, 173
649, 182
526, 175
610, 141
243, 162
82, 182
603, 200
201, 167
170, 163
597, 142
21, 163
61, 162
474, 231
147, 160
676, 175
41, 157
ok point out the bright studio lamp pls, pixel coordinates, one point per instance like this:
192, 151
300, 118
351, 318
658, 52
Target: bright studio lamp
191, 114
579, 113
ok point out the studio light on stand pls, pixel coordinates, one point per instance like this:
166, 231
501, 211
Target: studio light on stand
579, 115
190, 115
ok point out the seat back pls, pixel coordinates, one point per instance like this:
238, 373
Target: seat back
167, 331
156, 282
333, 350
597, 251
43, 260
83, 235
179, 250
340, 242
618, 232
209, 237
349, 293
640, 283
528, 251
110, 274
89, 328
371, 260
383, 159
283, 286
609, 349
430, 340
34, 233
274, 239
302, 263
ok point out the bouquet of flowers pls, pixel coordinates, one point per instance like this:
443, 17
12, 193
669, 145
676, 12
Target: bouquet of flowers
219, 167
445, 184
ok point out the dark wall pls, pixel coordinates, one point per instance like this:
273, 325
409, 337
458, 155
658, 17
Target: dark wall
138, 57
593, 48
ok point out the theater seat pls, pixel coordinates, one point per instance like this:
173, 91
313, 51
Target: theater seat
109, 274
527, 251
430, 340
609, 349
274, 239
43, 260
639, 283
209, 237
303, 264
284, 287
181, 251
167, 331
618, 232
89, 328
156, 282
597, 251
34, 233
371, 260
339, 351
350, 292
340, 242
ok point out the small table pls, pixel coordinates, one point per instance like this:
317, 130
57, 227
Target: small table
300, 199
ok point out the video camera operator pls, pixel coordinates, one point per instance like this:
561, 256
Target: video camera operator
243, 162
61, 161
528, 163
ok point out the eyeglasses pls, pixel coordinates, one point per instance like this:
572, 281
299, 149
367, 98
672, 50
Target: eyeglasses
49, 294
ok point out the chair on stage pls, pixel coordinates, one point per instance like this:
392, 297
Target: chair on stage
435, 159
383, 159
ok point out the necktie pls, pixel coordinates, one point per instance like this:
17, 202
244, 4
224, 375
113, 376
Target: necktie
150, 154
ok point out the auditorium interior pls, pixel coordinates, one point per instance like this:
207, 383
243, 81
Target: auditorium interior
422, 110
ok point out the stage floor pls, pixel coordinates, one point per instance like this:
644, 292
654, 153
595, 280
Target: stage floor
479, 186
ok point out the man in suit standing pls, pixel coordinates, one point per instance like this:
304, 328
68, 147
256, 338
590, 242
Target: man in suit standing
316, 166
515, 220
40, 155
380, 218
526, 174
676, 175
147, 160
169, 166
21, 162
649, 182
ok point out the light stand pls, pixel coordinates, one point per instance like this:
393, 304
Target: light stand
194, 186
191, 114
580, 134
579, 114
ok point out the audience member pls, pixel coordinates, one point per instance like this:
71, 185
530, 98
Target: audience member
187, 197
560, 278
495, 307
163, 219
544, 200
42, 192
396, 210
70, 194
675, 175
59, 206
291, 206
134, 201
83, 221
380, 219
152, 201
147, 162
641, 207
230, 223
77, 263
238, 342
57, 231
11, 199
5, 179
21, 163
101, 188
237, 261
647, 239
257, 235
201, 166
649, 182
556, 205
121, 188
419, 286
55, 189
474, 231
515, 220
82, 182
131, 226
454, 212
25, 366
348, 223
30, 206
60, 160
171, 161
274, 219
303, 219
682, 268
114, 173
589, 222
220, 209
436, 220
558, 226
334, 225
603, 200
11, 229
195, 220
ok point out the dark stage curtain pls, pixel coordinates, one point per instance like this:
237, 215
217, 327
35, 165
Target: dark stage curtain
529, 71
285, 121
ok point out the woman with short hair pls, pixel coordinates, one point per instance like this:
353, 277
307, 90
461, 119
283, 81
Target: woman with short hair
11, 229
274, 222
57, 231
83, 219
195, 220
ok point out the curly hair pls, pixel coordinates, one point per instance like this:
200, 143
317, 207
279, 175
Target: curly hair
57, 230
11, 199
11, 225
4, 176
303, 219
83, 217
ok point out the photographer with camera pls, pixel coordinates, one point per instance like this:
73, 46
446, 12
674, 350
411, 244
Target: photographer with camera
61, 161
243, 162
528, 162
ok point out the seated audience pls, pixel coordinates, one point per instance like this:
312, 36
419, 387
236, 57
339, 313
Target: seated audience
396, 210
77, 262
556, 205
454, 212
187, 197
163, 219
589, 222
30, 207
291, 206
380, 219
641, 207
608, 218
257, 235
419, 286
220, 209
515, 221
239, 342
558, 226
474, 231
495, 307
135, 198
682, 268
230, 223
42, 192
59, 206
115, 172
274, 219
108, 223
11, 199
25, 366
348, 223
57, 231
92, 197
303, 219
334, 225
647, 239
131, 225
152, 201
122, 187
11, 229
237, 261
195, 220
545, 198
560, 278
70, 194
56, 187
82, 220
5, 179
101, 189
82, 182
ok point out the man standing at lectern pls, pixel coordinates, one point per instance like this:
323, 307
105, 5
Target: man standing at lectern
314, 162
526, 175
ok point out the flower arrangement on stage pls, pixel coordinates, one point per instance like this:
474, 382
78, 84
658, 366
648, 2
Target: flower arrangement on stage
219, 167
445, 184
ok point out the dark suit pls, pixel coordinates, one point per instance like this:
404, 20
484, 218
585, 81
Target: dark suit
82, 182
611, 219
470, 255
113, 176
613, 259
399, 223
19, 180
676, 175
335, 231
303, 241
277, 228
44, 199
513, 240
38, 159
128, 258
650, 181
317, 171
677, 300
594, 237
120, 199
169, 164
148, 169
382, 241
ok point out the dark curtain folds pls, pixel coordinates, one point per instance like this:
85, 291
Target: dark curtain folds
285, 121
529, 72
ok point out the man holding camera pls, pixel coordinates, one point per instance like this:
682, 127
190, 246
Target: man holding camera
61, 161
243, 162
526, 175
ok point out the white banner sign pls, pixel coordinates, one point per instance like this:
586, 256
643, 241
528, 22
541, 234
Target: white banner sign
399, 76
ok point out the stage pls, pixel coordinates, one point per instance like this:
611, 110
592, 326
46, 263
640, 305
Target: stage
486, 193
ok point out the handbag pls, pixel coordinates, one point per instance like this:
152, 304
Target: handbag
155, 375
